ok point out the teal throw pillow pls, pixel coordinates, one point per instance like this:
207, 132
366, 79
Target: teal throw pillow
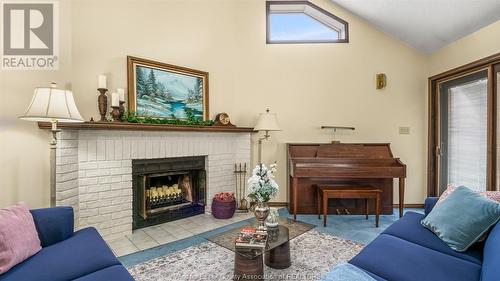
462, 218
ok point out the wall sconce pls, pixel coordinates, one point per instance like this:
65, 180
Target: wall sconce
381, 81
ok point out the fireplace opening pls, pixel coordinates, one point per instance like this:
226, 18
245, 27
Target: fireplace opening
167, 189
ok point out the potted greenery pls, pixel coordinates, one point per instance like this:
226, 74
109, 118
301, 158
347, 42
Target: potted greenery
261, 188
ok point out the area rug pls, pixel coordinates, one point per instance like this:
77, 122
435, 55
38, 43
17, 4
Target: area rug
313, 255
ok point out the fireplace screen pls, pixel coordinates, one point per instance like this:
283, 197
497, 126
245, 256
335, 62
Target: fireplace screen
167, 189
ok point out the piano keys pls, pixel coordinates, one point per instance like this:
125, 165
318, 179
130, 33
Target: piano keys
343, 164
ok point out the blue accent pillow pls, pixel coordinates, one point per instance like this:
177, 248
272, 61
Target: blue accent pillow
462, 218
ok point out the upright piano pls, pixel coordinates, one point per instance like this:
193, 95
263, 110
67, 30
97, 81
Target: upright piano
342, 164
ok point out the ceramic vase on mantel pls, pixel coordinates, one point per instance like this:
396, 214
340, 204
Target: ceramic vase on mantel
261, 212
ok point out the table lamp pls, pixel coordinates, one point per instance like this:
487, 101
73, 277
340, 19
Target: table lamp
267, 122
52, 105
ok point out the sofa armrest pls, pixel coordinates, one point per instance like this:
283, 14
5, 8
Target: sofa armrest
430, 202
53, 224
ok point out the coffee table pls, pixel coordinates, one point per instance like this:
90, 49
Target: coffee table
249, 264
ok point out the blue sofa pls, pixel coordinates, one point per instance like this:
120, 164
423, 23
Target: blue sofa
407, 251
67, 255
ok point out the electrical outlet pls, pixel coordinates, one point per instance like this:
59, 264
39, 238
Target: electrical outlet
404, 130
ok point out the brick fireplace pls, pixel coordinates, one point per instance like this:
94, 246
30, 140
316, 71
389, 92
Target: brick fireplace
95, 170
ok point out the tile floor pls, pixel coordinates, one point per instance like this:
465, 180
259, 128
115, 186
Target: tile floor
352, 227
153, 236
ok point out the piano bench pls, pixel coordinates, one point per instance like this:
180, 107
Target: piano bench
325, 192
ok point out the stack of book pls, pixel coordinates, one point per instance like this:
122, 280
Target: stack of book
251, 238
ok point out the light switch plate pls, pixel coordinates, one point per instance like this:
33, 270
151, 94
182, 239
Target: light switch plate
404, 130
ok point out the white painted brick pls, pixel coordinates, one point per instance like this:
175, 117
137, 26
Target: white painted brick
99, 218
89, 197
89, 213
68, 135
92, 173
126, 192
107, 210
120, 215
155, 148
121, 185
65, 194
141, 149
98, 188
82, 150
104, 172
66, 168
149, 149
66, 152
126, 163
110, 179
63, 160
121, 171
134, 149
118, 149
88, 166
61, 186
101, 149
161, 149
107, 194
87, 181
126, 149
91, 150
67, 143
66, 177
110, 164
127, 178
126, 206
110, 149
81, 173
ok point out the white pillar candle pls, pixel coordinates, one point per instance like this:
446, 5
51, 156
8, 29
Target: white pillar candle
115, 99
101, 84
121, 94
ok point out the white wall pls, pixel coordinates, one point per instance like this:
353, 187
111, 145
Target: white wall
307, 85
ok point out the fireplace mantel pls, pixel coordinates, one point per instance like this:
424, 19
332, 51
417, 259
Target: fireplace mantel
126, 126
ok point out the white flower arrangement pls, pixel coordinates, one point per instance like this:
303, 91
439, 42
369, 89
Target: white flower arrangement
261, 185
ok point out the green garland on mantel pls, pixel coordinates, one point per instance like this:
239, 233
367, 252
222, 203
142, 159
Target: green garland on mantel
191, 120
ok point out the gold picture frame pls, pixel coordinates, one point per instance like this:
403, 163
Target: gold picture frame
162, 90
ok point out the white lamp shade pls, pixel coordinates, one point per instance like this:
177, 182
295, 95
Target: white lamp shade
267, 122
51, 104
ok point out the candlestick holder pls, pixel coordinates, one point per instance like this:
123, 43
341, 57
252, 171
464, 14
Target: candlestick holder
115, 113
122, 108
102, 102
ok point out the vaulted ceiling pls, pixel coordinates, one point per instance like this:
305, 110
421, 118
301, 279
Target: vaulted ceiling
427, 25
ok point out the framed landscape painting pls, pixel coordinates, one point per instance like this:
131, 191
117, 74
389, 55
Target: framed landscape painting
162, 90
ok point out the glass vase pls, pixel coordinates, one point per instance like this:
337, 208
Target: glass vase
261, 212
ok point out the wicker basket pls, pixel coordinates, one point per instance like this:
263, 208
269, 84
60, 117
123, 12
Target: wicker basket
223, 209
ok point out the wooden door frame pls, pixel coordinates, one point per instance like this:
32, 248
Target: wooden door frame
433, 125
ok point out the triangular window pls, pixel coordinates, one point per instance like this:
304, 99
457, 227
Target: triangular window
303, 22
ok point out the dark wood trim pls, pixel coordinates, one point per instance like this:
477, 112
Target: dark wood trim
415, 206
125, 126
481, 63
268, 27
495, 69
491, 133
277, 204
433, 126
432, 179
131, 61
